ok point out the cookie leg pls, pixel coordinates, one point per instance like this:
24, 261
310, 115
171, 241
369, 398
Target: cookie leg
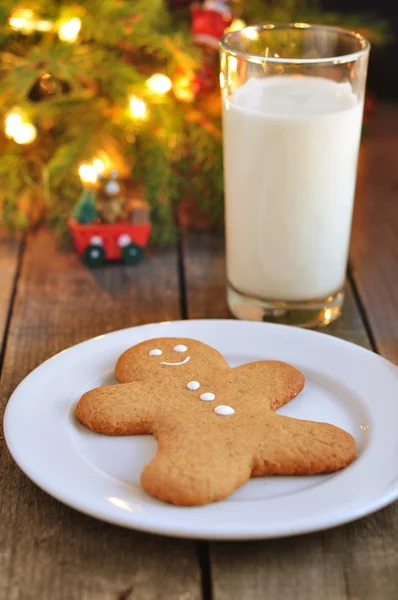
294, 447
116, 410
195, 471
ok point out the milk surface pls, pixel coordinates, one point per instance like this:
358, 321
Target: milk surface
290, 159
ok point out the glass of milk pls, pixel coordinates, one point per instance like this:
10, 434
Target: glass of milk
293, 99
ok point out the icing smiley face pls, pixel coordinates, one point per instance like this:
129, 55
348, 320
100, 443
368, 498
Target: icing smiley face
178, 348
176, 358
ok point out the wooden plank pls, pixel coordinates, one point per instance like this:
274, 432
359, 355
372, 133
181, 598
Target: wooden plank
354, 562
374, 253
48, 551
9, 260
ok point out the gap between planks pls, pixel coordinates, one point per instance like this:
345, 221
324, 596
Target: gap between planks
10, 265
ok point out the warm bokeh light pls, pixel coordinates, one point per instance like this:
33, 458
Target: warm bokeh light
42, 25
88, 173
69, 30
12, 123
182, 88
251, 33
26, 133
99, 165
159, 84
23, 20
236, 25
138, 108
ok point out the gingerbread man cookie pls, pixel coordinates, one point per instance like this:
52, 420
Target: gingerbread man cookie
215, 425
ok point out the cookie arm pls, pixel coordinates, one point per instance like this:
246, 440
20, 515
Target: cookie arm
277, 381
294, 447
116, 410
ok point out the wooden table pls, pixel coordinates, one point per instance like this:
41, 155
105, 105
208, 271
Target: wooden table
49, 301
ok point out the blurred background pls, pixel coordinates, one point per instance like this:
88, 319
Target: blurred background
383, 74
111, 110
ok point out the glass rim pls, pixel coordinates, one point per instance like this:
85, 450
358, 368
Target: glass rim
257, 58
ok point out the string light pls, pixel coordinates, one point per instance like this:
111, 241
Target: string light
159, 84
25, 21
182, 87
138, 108
88, 173
22, 20
12, 123
236, 25
26, 133
21, 131
98, 165
251, 33
69, 30
42, 25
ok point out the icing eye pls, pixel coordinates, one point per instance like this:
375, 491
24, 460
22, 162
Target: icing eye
155, 352
180, 348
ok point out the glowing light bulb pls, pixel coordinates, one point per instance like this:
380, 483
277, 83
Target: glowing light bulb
88, 174
138, 108
69, 30
42, 25
236, 25
23, 20
26, 21
159, 84
98, 165
26, 133
182, 87
12, 123
251, 33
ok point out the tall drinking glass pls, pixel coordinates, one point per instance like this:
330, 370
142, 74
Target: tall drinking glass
293, 99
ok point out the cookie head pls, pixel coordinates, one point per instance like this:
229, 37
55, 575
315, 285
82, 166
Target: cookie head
173, 358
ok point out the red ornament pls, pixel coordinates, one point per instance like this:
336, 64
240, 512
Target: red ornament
209, 22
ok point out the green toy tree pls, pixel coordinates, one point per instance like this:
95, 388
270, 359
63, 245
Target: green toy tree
123, 83
85, 211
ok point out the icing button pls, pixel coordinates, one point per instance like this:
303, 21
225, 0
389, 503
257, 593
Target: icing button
193, 385
223, 409
207, 396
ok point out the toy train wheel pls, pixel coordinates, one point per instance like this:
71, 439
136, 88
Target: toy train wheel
132, 254
94, 255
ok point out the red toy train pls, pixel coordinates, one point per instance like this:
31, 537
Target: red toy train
99, 242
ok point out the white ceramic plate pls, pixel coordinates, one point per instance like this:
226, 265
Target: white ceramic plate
98, 475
